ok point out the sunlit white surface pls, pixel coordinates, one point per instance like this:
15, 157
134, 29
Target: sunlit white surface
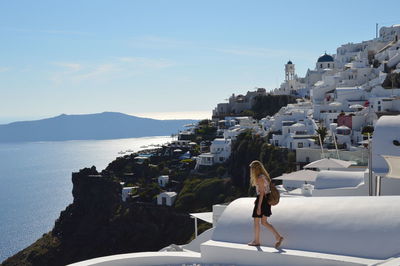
350, 226
317, 231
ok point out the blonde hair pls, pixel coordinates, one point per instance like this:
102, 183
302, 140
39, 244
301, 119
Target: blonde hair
257, 169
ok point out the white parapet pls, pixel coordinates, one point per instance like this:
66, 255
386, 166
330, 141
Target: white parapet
363, 227
317, 231
143, 259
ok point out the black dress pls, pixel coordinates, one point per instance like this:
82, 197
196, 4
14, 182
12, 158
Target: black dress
265, 207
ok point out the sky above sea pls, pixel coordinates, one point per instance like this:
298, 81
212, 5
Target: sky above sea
149, 57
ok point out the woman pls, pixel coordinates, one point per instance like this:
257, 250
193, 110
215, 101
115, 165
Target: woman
260, 179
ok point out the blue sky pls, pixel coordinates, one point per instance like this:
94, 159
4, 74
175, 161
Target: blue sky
174, 57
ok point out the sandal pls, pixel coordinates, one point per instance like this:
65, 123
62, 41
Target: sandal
278, 242
254, 244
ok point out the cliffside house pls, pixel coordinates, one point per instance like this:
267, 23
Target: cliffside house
166, 198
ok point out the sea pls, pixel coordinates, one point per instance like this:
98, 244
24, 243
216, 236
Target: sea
35, 182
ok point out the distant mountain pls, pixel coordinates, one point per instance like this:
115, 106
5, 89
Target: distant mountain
107, 125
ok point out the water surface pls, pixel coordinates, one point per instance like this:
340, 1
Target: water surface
35, 182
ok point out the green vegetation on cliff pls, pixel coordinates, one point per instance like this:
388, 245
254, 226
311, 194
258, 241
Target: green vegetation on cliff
205, 131
198, 195
249, 147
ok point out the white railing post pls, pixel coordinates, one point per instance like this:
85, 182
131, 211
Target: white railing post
370, 177
195, 227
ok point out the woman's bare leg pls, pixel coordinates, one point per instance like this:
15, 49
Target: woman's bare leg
270, 227
256, 240
257, 230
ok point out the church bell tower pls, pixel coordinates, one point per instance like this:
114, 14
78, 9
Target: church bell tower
289, 71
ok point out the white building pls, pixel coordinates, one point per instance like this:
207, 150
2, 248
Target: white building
205, 159
325, 61
163, 180
351, 52
233, 132
166, 198
292, 83
126, 192
180, 144
295, 135
220, 150
245, 121
389, 33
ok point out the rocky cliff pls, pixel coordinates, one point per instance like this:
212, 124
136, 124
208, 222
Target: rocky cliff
98, 223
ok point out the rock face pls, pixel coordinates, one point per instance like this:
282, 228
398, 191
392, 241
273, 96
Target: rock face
98, 223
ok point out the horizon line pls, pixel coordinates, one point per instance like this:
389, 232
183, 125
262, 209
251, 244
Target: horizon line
175, 115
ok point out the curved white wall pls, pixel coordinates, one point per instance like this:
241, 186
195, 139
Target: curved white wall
367, 227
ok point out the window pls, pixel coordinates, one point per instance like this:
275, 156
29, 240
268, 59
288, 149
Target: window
329, 65
276, 143
221, 159
307, 159
300, 145
320, 65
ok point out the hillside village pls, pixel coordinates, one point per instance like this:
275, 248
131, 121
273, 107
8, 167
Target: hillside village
345, 93
329, 113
